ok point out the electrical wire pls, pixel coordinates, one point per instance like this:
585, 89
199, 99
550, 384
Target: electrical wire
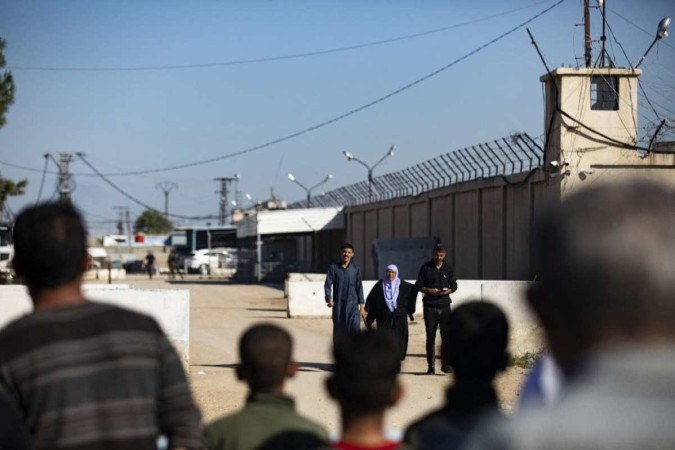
134, 199
346, 114
42, 181
334, 119
640, 28
274, 58
608, 139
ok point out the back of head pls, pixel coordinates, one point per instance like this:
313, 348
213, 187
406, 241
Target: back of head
476, 337
607, 262
50, 245
366, 370
265, 351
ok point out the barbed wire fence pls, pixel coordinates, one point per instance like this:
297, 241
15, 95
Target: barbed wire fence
511, 155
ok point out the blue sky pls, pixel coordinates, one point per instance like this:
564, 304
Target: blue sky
135, 120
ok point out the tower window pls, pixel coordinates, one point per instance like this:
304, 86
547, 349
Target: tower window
604, 93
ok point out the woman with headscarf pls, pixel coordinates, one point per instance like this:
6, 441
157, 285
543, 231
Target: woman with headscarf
389, 304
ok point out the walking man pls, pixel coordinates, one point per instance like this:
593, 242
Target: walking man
150, 263
344, 293
174, 266
86, 375
436, 281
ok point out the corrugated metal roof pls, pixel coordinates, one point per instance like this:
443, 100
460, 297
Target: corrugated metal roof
511, 155
290, 221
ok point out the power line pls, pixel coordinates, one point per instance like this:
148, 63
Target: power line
641, 29
272, 58
134, 199
326, 122
347, 114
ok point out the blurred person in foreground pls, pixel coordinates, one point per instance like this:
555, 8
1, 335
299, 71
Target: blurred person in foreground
606, 302
12, 433
478, 334
365, 384
268, 421
86, 375
389, 304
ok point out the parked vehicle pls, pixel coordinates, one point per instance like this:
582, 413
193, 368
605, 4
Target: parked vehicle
205, 260
134, 266
6, 252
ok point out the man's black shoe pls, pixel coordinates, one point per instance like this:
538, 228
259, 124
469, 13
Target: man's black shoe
431, 371
446, 369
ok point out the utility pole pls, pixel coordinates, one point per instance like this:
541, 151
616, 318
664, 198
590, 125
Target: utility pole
166, 187
65, 184
124, 217
587, 33
603, 38
222, 201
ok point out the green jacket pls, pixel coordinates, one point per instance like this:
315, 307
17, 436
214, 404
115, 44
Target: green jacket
267, 422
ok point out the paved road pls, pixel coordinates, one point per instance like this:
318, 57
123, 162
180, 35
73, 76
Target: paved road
220, 312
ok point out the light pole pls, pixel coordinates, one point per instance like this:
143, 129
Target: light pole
309, 190
661, 32
350, 157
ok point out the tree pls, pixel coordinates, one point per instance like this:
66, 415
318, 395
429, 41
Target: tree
6, 86
7, 187
152, 222
10, 188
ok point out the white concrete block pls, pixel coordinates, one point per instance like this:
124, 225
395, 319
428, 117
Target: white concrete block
170, 307
306, 299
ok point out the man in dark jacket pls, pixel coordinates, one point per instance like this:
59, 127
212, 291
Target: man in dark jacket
436, 281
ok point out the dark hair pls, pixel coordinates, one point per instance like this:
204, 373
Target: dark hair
50, 245
366, 367
438, 248
265, 352
347, 245
476, 336
606, 259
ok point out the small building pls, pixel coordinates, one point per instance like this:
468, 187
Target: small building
275, 242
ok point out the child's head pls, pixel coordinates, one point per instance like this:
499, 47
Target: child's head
265, 352
475, 341
366, 370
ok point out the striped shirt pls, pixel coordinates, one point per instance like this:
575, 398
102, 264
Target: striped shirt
96, 376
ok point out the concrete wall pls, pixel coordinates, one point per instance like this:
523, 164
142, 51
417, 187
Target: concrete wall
306, 299
485, 225
170, 307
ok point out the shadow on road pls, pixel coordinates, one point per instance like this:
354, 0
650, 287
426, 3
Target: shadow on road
304, 366
283, 310
315, 367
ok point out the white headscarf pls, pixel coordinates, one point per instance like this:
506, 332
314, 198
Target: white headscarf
391, 288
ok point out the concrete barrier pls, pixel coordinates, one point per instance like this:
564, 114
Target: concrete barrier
169, 307
102, 274
306, 299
